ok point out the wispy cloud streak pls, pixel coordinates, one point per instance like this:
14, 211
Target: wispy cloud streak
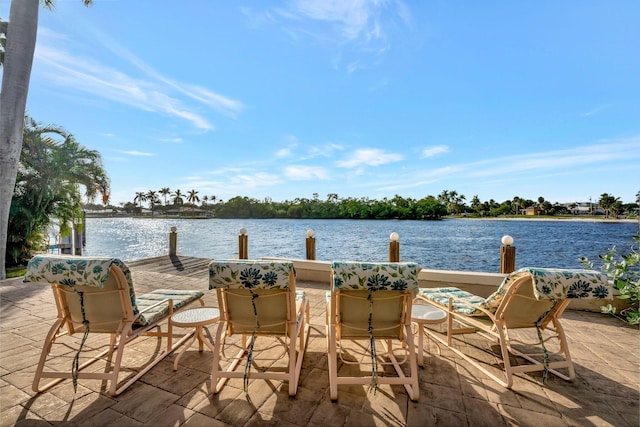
360, 24
152, 92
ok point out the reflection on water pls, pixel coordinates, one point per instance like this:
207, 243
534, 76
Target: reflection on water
452, 244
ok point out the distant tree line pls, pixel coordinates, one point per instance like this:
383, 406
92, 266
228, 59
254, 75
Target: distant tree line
448, 202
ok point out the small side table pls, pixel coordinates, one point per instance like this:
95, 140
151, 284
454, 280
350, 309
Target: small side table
195, 317
422, 315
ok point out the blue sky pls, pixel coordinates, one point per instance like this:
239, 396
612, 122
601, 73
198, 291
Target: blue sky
284, 99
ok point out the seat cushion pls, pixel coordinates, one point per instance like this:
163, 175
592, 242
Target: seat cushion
180, 299
441, 296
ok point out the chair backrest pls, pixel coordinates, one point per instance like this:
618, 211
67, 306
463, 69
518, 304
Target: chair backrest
255, 296
533, 296
95, 289
372, 294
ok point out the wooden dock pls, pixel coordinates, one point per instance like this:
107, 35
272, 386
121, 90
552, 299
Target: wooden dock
177, 265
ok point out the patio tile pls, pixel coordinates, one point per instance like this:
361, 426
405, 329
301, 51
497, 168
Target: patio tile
143, 401
452, 391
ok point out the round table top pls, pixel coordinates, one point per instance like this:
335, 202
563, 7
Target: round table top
427, 314
196, 316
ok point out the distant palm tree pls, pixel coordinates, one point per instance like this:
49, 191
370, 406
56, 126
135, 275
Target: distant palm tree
178, 197
193, 199
516, 202
606, 201
152, 198
165, 191
140, 197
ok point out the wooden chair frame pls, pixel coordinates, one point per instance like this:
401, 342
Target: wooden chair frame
279, 314
359, 315
518, 310
116, 318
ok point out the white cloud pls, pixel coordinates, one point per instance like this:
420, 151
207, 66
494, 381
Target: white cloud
435, 150
136, 153
363, 25
352, 20
576, 160
260, 179
305, 173
149, 92
176, 140
283, 152
595, 111
325, 150
370, 157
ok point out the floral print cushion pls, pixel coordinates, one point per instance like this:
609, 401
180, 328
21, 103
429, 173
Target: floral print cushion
88, 271
250, 274
71, 271
556, 284
375, 276
441, 296
548, 283
179, 297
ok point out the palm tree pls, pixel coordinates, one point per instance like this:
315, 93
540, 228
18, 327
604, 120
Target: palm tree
165, 191
140, 197
54, 166
606, 201
516, 201
178, 198
19, 48
152, 198
193, 199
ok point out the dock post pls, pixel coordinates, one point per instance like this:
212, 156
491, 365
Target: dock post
507, 255
243, 244
311, 245
394, 247
173, 242
77, 238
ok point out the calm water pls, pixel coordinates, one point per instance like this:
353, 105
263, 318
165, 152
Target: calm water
451, 244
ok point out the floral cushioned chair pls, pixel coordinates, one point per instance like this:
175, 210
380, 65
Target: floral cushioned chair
530, 298
369, 302
258, 298
96, 296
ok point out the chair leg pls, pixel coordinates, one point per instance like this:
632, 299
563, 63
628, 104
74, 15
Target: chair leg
414, 393
303, 334
216, 383
46, 348
564, 348
333, 362
421, 344
505, 355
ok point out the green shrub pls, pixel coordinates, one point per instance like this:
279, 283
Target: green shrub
624, 271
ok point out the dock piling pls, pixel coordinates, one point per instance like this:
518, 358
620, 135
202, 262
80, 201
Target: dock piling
507, 255
243, 244
173, 241
394, 247
311, 245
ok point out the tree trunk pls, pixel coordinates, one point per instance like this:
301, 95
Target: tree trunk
18, 59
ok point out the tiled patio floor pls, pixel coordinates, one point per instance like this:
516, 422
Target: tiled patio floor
605, 392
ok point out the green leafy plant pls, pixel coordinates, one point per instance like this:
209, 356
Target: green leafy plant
624, 271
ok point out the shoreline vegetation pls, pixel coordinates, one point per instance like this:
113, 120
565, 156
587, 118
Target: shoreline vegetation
448, 204
463, 217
